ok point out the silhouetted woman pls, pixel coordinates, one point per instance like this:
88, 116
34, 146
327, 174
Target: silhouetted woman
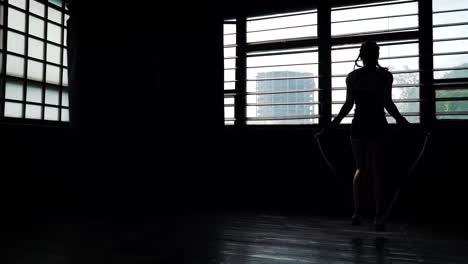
370, 88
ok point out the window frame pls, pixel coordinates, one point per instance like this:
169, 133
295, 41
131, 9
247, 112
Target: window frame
60, 107
325, 41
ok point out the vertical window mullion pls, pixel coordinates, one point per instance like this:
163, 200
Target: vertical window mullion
44, 69
324, 50
426, 63
240, 110
4, 60
26, 60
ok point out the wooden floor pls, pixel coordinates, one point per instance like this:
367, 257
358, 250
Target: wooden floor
228, 238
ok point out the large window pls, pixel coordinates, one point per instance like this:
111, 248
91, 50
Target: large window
278, 61
450, 32
34, 74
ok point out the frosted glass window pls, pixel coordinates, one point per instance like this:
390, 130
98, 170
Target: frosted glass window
35, 70
1, 35
52, 74
52, 95
15, 42
13, 90
15, 66
34, 93
65, 115
36, 7
53, 53
16, 19
36, 27
65, 77
13, 109
54, 33
1, 14
36, 49
18, 3
54, 15
33, 111
65, 98
51, 113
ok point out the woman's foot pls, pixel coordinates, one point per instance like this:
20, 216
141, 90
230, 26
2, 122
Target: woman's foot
356, 219
379, 224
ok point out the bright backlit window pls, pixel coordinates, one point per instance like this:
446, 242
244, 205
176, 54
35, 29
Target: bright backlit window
33, 60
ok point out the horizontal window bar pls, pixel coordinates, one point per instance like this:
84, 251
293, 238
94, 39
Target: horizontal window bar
281, 15
282, 65
283, 117
450, 24
279, 28
394, 100
451, 53
372, 18
452, 99
393, 72
450, 85
388, 115
453, 113
285, 92
283, 78
229, 105
346, 7
450, 11
449, 69
277, 104
235, 57
281, 45
449, 39
383, 58
389, 31
33, 103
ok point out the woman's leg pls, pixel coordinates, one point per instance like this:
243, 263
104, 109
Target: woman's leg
376, 151
362, 170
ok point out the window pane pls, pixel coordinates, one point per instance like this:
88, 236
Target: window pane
451, 117
452, 17
14, 90
440, 5
65, 77
33, 111
452, 93
451, 32
294, 25
15, 42
1, 36
1, 14
451, 46
405, 93
52, 95
451, 61
54, 33
452, 106
36, 7
13, 109
374, 25
35, 70
306, 97
16, 19
361, 12
65, 115
229, 63
229, 40
65, 58
282, 85
451, 74
18, 3
65, 98
34, 93
36, 49
310, 70
53, 53
52, 74
229, 52
51, 113
54, 15
229, 85
229, 75
15, 66
36, 27
294, 58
